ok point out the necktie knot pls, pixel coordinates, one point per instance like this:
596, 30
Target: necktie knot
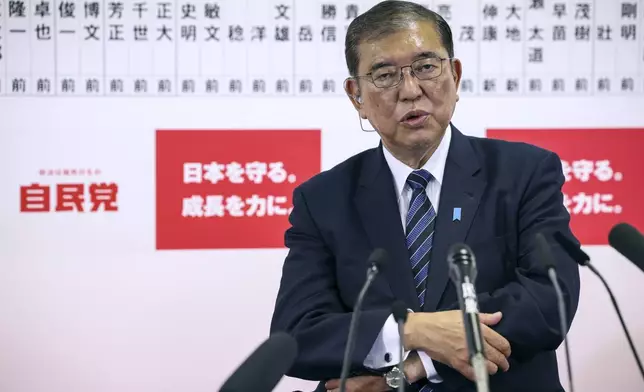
418, 179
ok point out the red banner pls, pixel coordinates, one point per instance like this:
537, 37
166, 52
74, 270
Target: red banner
229, 189
603, 175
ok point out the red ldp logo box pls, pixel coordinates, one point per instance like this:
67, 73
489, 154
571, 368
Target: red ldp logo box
229, 189
603, 175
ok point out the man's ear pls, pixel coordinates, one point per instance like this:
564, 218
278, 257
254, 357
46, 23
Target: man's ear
353, 92
457, 73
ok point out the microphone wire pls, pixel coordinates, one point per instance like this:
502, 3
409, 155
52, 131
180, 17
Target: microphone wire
621, 319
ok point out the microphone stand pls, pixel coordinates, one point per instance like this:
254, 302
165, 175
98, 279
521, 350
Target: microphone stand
579, 256
401, 363
477, 360
371, 275
399, 311
552, 274
469, 309
544, 253
462, 267
621, 319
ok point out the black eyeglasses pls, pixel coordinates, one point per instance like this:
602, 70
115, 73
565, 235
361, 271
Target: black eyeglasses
391, 76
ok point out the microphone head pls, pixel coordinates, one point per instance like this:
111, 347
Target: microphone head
544, 254
628, 241
400, 311
573, 249
378, 258
265, 367
461, 262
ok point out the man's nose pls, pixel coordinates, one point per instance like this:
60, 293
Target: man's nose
409, 86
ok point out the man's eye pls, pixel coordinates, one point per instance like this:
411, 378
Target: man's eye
385, 75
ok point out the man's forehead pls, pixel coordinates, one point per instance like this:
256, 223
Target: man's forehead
418, 40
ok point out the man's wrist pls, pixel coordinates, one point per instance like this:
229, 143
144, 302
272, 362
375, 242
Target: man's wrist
413, 368
409, 332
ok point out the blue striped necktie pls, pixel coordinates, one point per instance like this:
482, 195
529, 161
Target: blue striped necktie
420, 235
420, 229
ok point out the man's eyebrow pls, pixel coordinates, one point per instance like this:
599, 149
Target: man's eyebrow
380, 64
421, 55
427, 54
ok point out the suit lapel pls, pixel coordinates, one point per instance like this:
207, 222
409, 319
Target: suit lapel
461, 189
376, 203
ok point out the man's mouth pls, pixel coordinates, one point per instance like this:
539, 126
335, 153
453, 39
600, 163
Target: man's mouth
415, 118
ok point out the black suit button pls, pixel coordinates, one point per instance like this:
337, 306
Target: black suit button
387, 357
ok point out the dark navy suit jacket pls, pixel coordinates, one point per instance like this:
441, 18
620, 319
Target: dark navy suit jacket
507, 192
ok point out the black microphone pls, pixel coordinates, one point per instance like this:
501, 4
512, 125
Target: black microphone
265, 367
574, 251
462, 269
628, 241
376, 260
544, 254
399, 311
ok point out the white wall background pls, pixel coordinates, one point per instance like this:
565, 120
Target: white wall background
87, 304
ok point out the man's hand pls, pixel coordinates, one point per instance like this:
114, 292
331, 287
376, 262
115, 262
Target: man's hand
441, 335
359, 384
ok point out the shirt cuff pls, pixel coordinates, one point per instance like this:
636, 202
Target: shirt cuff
430, 369
385, 351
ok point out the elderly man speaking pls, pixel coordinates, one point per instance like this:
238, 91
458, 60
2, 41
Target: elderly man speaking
425, 187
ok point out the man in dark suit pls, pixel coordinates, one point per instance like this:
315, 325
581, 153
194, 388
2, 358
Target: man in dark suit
424, 188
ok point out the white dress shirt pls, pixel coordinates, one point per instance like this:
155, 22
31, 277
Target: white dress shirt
387, 343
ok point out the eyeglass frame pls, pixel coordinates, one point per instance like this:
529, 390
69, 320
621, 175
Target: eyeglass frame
369, 76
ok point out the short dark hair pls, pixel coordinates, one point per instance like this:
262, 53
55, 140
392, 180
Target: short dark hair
386, 18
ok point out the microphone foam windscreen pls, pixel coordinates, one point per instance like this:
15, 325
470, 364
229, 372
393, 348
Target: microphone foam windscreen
543, 251
400, 311
573, 249
628, 241
460, 252
265, 367
378, 257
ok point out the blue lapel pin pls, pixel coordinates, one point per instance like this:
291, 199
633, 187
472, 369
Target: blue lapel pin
456, 216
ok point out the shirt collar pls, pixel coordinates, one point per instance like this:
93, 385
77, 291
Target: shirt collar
435, 165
